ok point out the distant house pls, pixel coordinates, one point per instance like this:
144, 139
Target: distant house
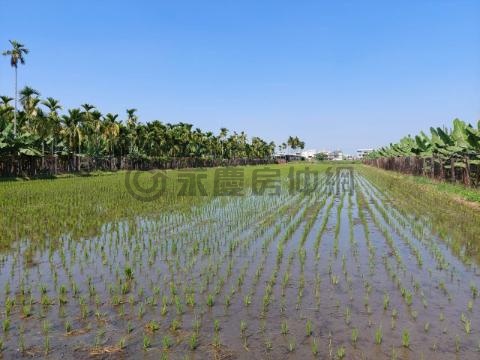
309, 154
361, 153
336, 155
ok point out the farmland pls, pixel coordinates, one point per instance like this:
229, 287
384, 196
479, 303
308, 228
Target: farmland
361, 267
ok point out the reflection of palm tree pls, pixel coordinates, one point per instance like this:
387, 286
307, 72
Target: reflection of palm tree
16, 56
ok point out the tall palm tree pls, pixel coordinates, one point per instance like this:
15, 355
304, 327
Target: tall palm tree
16, 55
5, 100
222, 137
88, 123
53, 107
132, 119
111, 130
295, 143
72, 129
29, 100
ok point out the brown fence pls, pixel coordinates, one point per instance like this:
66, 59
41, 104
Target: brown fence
456, 170
53, 165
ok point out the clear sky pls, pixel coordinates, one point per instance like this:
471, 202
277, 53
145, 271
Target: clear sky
339, 74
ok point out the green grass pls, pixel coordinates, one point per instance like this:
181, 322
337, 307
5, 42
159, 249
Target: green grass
459, 190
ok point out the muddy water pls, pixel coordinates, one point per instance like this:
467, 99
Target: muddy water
243, 278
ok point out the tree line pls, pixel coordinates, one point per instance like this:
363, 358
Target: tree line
34, 126
446, 153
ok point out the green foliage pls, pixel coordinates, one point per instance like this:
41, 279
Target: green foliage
42, 129
461, 140
22, 144
321, 156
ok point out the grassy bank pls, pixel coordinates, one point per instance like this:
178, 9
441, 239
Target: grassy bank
458, 191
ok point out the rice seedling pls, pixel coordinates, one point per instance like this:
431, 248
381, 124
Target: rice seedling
243, 327
386, 301
341, 352
6, 325
474, 290
146, 342
129, 327
291, 345
315, 347
46, 345
378, 336
193, 341
308, 328
122, 343
406, 338
175, 325
166, 342
152, 326
467, 324
210, 300
354, 336
426, 327
216, 325
268, 345
457, 343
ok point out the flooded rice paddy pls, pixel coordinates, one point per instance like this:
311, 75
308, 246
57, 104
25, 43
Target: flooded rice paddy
353, 274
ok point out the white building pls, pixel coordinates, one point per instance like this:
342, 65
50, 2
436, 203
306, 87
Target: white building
309, 154
361, 153
336, 155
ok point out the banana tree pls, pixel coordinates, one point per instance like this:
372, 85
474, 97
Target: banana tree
22, 144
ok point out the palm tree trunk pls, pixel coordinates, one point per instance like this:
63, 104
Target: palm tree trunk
452, 170
43, 154
15, 113
467, 171
442, 170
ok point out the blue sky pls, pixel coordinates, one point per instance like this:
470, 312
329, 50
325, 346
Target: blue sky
338, 74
